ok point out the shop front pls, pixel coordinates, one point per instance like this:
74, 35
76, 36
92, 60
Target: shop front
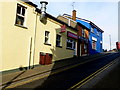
72, 42
83, 46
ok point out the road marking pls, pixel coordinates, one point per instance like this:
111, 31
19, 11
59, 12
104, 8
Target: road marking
81, 83
52, 73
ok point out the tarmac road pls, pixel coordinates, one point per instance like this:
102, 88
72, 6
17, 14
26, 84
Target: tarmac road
70, 77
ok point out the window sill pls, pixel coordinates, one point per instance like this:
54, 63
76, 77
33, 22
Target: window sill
69, 48
21, 26
59, 46
47, 44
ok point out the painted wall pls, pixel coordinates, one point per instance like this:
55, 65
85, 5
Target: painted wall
16, 40
54, 28
21, 46
98, 42
91, 34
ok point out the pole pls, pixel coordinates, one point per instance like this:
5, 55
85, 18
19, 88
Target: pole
110, 41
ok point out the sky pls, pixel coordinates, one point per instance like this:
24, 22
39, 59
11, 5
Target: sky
104, 13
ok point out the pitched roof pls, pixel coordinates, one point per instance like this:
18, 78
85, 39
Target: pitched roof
29, 2
84, 22
57, 20
72, 22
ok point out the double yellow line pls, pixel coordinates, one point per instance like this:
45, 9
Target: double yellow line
84, 81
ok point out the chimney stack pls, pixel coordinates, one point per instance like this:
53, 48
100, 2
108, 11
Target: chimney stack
43, 9
74, 15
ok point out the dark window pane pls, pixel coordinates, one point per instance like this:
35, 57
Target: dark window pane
23, 11
46, 40
57, 43
19, 20
18, 9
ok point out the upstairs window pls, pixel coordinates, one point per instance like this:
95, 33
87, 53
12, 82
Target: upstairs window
58, 40
47, 37
83, 32
92, 30
20, 16
93, 44
98, 33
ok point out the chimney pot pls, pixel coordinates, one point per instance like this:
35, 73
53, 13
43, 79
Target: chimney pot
43, 9
74, 15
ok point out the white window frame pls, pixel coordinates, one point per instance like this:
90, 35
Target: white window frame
20, 15
47, 36
59, 40
69, 40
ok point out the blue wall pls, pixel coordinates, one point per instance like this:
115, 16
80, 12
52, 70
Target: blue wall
91, 34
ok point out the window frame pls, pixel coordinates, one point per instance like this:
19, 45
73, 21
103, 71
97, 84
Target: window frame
20, 15
85, 48
92, 29
94, 45
98, 33
48, 37
73, 42
58, 40
83, 32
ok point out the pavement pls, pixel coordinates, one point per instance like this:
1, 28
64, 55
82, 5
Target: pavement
16, 77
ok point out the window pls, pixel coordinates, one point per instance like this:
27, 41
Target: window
93, 44
47, 37
20, 17
97, 33
70, 43
92, 30
101, 46
85, 48
58, 40
83, 32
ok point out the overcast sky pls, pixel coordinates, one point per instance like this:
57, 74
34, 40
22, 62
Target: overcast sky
104, 13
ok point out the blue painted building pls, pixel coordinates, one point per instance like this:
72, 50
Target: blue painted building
95, 36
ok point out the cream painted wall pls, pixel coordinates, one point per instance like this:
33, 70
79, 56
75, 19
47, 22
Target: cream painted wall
16, 40
54, 28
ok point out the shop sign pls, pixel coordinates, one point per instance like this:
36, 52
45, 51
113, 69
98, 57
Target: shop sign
63, 28
83, 39
72, 35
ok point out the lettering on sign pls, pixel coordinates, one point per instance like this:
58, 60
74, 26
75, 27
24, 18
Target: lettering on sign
72, 35
63, 28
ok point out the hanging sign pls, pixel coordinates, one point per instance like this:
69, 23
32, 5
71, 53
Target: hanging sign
63, 28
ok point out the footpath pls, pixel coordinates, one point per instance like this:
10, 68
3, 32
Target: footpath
16, 77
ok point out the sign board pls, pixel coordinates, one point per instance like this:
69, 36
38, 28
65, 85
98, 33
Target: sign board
72, 35
63, 28
83, 39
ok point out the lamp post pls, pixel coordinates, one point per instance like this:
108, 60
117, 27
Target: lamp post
110, 41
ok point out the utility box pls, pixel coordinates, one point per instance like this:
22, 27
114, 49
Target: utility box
48, 59
118, 45
45, 58
42, 58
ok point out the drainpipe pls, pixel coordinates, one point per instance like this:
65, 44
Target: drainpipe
43, 12
34, 39
43, 9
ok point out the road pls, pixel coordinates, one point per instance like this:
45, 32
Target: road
70, 77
